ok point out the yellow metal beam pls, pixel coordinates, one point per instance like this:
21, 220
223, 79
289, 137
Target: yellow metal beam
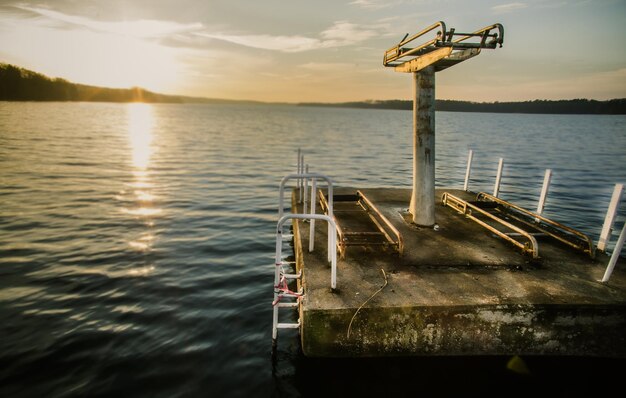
417, 64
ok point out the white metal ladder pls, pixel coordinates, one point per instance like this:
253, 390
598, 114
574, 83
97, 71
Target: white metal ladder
281, 278
283, 296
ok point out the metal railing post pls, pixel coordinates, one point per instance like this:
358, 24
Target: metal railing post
605, 235
616, 252
544, 192
306, 188
312, 222
470, 155
301, 182
496, 187
299, 171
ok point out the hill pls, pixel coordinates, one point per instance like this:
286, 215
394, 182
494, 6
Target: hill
19, 84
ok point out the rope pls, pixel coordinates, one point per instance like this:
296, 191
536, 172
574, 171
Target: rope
362, 305
283, 287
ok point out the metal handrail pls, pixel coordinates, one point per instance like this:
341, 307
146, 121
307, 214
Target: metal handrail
399, 243
397, 48
332, 245
397, 51
444, 38
385, 220
586, 239
462, 206
300, 177
484, 33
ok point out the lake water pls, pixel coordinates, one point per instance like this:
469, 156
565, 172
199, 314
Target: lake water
136, 241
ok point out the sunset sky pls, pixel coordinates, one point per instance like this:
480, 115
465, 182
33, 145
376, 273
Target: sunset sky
322, 50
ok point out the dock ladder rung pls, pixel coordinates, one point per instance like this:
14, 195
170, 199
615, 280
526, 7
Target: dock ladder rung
288, 325
293, 276
288, 305
296, 295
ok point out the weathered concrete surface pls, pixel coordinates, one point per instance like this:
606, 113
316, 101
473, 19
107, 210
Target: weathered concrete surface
457, 290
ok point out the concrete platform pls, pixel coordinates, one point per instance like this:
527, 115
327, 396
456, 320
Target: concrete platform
456, 290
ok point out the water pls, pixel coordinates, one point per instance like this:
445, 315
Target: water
136, 241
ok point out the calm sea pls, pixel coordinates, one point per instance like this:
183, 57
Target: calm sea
136, 241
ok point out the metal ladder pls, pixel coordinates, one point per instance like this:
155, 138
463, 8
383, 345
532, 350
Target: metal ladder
281, 287
281, 278
284, 297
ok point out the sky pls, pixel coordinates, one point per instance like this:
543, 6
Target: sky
317, 50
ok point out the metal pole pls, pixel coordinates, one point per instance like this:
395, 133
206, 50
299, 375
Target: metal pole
610, 217
301, 181
544, 191
470, 155
312, 225
422, 205
616, 252
306, 188
299, 171
496, 188
298, 162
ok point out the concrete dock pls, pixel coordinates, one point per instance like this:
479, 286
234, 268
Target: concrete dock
457, 289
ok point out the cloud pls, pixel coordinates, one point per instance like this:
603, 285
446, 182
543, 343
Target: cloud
373, 4
506, 8
342, 33
345, 33
268, 42
139, 28
327, 66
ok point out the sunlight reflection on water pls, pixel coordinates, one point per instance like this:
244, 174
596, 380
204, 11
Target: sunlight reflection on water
141, 125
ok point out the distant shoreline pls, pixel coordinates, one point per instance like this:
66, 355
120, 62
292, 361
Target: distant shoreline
19, 84
567, 107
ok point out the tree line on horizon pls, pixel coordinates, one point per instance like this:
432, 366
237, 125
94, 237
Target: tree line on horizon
19, 84
574, 106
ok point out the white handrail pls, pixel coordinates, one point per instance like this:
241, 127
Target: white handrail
332, 243
300, 177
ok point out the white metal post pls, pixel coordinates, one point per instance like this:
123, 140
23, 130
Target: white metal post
298, 161
299, 169
301, 181
605, 235
496, 188
306, 188
312, 225
544, 192
470, 155
616, 252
